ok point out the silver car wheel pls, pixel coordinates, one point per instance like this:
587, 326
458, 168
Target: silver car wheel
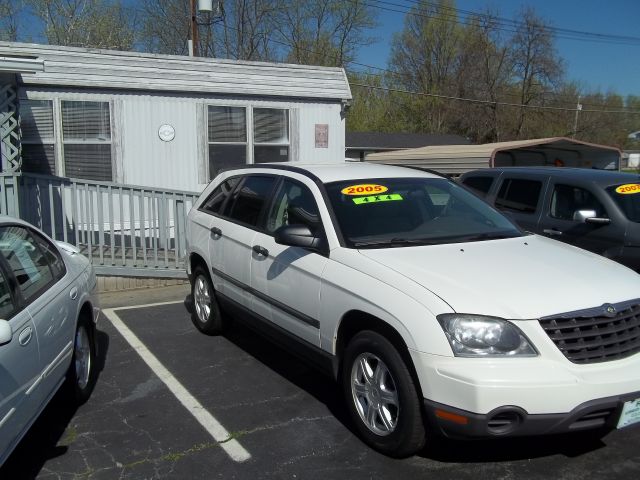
202, 298
82, 350
374, 393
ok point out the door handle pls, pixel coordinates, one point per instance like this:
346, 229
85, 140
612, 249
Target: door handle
25, 336
261, 250
73, 293
552, 231
216, 231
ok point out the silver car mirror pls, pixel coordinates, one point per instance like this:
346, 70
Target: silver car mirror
6, 334
590, 216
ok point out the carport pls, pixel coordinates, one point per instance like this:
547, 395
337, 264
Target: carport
457, 159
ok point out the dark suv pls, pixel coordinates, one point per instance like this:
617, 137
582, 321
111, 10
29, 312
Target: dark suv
593, 209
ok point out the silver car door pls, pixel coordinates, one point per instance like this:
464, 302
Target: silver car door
19, 369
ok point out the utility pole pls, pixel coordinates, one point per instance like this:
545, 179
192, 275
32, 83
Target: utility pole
575, 120
193, 47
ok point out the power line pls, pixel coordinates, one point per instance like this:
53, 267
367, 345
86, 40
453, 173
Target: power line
488, 102
505, 24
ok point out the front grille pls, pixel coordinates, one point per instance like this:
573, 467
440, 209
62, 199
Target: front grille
592, 420
592, 336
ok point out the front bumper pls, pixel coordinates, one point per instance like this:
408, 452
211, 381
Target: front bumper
602, 414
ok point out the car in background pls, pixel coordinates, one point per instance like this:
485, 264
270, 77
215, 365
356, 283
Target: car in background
432, 310
48, 313
597, 210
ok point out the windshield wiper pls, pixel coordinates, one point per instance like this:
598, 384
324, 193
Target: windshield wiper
486, 236
394, 242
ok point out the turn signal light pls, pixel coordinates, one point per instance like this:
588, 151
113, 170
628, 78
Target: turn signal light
452, 417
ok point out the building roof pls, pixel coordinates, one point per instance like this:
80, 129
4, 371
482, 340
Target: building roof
393, 141
487, 150
93, 68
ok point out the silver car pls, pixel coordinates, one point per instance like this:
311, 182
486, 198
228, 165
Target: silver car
48, 313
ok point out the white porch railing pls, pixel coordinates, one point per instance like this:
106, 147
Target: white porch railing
122, 229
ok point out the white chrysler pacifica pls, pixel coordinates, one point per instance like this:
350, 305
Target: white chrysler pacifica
430, 308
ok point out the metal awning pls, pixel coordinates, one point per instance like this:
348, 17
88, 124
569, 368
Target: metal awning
21, 64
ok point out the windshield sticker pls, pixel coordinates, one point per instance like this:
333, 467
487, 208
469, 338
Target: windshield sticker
628, 189
365, 189
377, 198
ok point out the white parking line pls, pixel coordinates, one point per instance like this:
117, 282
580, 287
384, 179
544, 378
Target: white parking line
231, 446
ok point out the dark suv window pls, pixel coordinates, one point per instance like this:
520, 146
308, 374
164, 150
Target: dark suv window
480, 185
567, 200
294, 205
250, 199
215, 201
519, 195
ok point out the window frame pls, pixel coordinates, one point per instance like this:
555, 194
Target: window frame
276, 192
57, 99
249, 130
64, 142
21, 301
541, 194
553, 188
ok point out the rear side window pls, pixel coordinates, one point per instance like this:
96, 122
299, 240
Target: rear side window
250, 199
29, 264
214, 202
480, 185
567, 200
7, 308
519, 195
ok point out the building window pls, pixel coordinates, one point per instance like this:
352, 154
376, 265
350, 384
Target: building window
86, 137
227, 138
38, 139
270, 135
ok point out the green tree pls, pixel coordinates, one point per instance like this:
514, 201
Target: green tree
425, 57
323, 32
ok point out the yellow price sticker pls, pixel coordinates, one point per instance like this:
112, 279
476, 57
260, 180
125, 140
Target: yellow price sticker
364, 189
628, 189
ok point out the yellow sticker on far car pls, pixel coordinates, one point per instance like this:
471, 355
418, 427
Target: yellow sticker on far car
365, 189
628, 188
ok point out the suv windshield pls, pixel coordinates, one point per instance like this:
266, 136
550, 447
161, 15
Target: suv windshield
395, 212
628, 199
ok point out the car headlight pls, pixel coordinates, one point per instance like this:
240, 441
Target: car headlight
481, 336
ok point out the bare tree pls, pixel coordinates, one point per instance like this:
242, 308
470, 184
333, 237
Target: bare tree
537, 68
166, 26
9, 10
86, 23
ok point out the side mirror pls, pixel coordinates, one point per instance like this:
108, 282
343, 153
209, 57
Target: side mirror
6, 334
589, 216
298, 236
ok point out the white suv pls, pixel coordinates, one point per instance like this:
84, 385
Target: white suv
432, 309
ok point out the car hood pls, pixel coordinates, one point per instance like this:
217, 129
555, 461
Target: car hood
518, 278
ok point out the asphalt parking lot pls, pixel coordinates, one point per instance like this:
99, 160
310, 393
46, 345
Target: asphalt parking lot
279, 419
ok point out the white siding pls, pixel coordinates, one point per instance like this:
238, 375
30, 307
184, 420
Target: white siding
309, 116
148, 160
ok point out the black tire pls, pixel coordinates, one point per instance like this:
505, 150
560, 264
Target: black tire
206, 315
401, 431
83, 371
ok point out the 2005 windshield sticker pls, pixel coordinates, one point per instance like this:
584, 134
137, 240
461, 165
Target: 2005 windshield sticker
628, 189
364, 189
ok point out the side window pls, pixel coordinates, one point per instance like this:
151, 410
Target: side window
481, 185
519, 195
29, 264
219, 195
294, 205
567, 200
52, 256
7, 308
250, 199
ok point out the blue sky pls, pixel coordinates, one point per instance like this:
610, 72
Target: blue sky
595, 66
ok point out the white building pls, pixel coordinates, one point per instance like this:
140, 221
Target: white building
162, 121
